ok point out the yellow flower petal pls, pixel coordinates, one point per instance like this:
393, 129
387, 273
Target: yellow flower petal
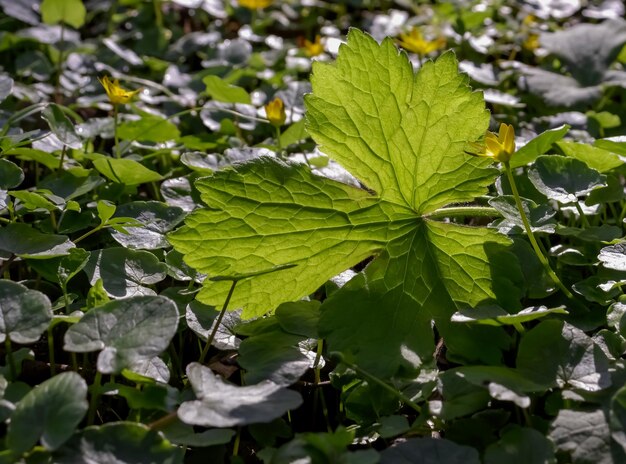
414, 42
117, 95
500, 147
275, 111
313, 48
255, 4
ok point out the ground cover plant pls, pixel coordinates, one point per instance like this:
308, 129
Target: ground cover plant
317, 232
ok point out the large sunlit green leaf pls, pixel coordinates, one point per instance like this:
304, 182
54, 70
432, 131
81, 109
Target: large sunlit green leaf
403, 136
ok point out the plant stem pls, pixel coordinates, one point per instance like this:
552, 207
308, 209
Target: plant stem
371, 378
531, 236
60, 168
51, 352
57, 88
9, 358
581, 213
237, 441
117, 142
217, 323
95, 394
87, 234
278, 144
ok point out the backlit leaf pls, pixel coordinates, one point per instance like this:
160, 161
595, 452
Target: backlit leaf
403, 136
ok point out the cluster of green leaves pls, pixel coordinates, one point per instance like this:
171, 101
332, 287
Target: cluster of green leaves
182, 281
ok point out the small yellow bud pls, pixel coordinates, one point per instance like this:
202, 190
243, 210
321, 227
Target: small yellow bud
255, 4
313, 48
531, 43
275, 111
117, 95
499, 147
415, 42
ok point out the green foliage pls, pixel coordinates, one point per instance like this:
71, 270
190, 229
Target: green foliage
271, 213
183, 281
70, 12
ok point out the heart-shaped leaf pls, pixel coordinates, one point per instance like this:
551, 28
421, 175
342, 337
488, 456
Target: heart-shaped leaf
128, 331
221, 404
157, 219
427, 451
119, 443
125, 272
60, 124
48, 413
24, 241
614, 256
10, 174
564, 179
24, 313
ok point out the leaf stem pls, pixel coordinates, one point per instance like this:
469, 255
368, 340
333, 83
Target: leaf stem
581, 213
9, 358
217, 323
51, 352
117, 142
95, 394
371, 378
531, 236
87, 234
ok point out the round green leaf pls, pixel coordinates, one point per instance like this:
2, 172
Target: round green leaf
429, 451
564, 179
125, 171
273, 355
24, 313
521, 445
71, 12
221, 404
148, 129
128, 331
49, 413
119, 443
11, 175
125, 272
555, 353
6, 86
59, 123
26, 242
157, 219
614, 256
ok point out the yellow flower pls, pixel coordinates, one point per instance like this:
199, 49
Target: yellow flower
255, 4
531, 43
117, 95
414, 42
499, 147
275, 111
313, 48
